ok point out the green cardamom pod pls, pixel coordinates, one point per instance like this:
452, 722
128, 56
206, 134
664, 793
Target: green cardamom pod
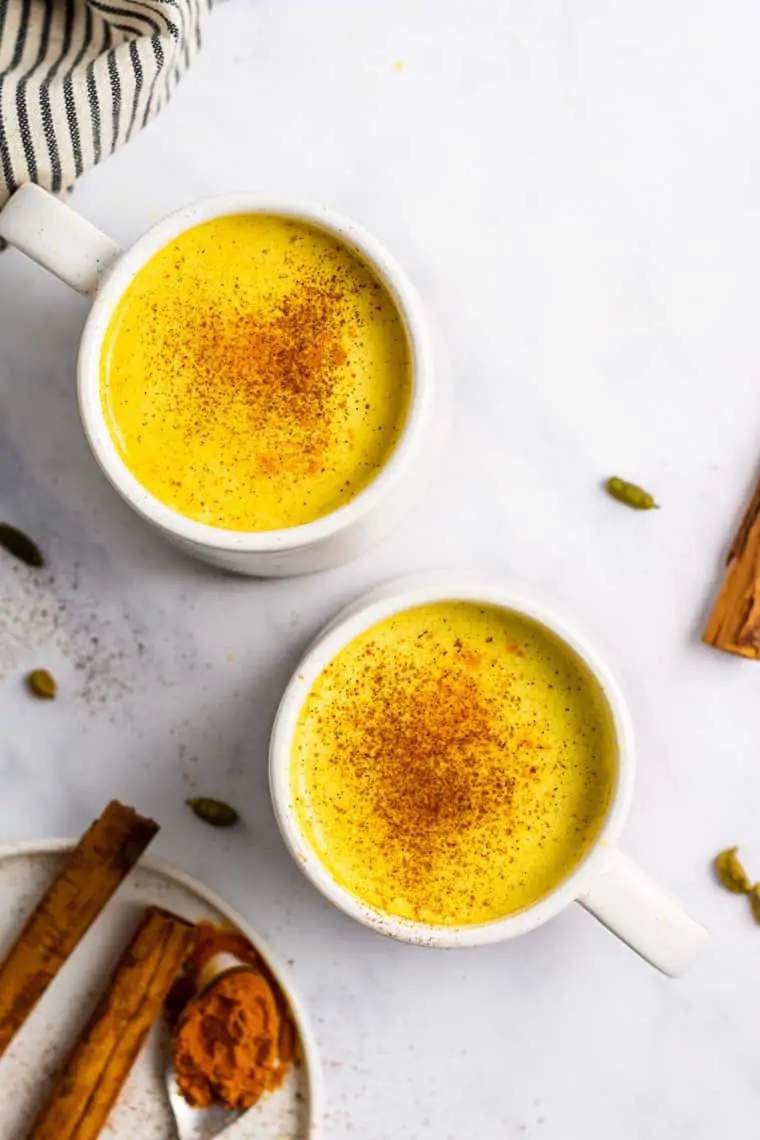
731, 873
630, 494
754, 902
215, 812
42, 684
20, 545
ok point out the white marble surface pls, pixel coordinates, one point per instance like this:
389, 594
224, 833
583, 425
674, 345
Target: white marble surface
576, 190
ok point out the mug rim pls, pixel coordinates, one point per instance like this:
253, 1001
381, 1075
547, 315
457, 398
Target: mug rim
361, 615
411, 438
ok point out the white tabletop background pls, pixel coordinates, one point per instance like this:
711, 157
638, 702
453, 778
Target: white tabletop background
575, 189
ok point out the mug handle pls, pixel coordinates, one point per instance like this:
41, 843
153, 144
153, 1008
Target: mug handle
58, 238
642, 913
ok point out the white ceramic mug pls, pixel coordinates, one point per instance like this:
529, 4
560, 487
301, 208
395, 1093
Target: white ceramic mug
606, 883
72, 248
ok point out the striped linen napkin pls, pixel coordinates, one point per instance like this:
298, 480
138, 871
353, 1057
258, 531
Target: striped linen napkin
79, 77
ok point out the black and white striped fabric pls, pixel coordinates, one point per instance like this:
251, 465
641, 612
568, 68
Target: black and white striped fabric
79, 77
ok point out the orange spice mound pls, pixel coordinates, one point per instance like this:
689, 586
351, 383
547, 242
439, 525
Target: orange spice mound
211, 1058
226, 1043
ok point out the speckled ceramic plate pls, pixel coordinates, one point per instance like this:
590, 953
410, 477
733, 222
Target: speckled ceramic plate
142, 1111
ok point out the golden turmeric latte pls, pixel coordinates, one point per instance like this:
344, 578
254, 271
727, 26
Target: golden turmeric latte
453, 764
256, 374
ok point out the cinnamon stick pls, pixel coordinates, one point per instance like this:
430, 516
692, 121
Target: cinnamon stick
102, 858
734, 624
85, 1091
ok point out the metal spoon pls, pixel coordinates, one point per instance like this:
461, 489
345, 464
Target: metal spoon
202, 1123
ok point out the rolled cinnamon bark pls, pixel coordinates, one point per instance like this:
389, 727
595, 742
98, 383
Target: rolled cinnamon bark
734, 624
101, 860
86, 1090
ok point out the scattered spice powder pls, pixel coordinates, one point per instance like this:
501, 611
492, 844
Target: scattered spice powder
432, 759
279, 366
